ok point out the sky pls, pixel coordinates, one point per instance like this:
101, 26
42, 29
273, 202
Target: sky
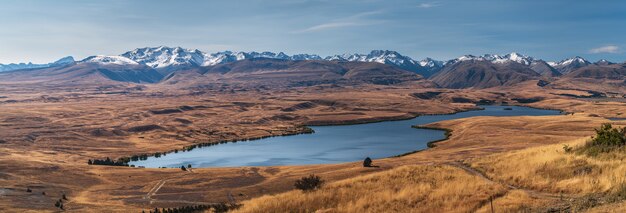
42, 31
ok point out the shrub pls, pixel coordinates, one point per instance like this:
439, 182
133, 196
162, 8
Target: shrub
609, 136
309, 183
367, 162
607, 139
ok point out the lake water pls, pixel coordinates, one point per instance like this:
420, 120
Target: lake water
330, 144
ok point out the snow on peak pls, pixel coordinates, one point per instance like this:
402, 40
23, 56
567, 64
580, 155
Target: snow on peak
429, 62
513, 57
378, 56
300, 57
575, 60
162, 56
113, 59
499, 59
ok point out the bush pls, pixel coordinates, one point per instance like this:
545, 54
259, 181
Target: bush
609, 136
607, 139
309, 183
367, 162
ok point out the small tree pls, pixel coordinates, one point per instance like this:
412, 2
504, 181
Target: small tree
188, 166
183, 168
309, 183
367, 162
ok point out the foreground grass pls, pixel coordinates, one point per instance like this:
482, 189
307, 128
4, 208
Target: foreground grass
552, 169
419, 188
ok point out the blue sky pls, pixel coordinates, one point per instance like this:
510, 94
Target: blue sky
43, 31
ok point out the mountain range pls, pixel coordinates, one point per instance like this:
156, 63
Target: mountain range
159, 63
61, 62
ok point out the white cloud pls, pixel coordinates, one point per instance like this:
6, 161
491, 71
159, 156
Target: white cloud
359, 19
605, 49
428, 5
330, 25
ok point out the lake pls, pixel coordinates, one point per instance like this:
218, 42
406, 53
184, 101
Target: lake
330, 144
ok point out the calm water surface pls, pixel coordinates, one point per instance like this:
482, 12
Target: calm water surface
329, 144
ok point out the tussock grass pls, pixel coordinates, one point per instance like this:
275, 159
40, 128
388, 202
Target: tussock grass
418, 188
514, 201
552, 169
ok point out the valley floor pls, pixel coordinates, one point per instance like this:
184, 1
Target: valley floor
46, 139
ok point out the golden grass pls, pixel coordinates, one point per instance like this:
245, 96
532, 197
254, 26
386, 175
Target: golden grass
405, 189
614, 207
550, 169
514, 201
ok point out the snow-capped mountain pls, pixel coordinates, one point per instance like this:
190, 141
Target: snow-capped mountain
108, 60
566, 62
429, 62
603, 62
167, 58
425, 67
567, 65
379, 56
161, 57
164, 57
61, 62
499, 59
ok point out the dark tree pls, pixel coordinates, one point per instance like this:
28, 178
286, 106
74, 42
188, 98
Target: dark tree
309, 183
188, 166
367, 162
183, 168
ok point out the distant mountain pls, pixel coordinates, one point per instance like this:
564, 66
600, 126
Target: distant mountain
61, 62
498, 59
108, 60
93, 71
603, 62
425, 67
481, 72
544, 69
168, 59
608, 71
266, 71
570, 64
161, 57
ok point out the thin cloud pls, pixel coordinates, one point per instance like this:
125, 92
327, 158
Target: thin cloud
605, 49
428, 5
359, 19
331, 25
